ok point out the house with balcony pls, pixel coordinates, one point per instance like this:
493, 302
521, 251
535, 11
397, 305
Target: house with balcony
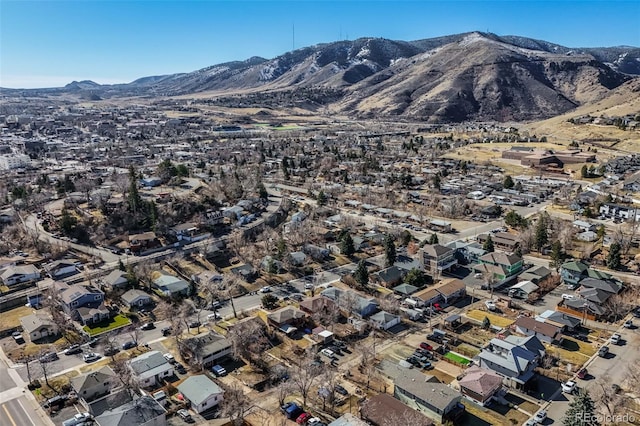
545, 332
436, 258
514, 358
501, 265
80, 296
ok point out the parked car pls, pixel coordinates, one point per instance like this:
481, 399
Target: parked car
194, 324
90, 357
615, 338
73, 349
426, 346
291, 410
490, 304
130, 344
148, 326
17, 336
48, 357
603, 351
78, 419
566, 296
111, 350
309, 286
265, 289
185, 415
302, 418
341, 390
218, 370
582, 373
569, 386
170, 359
180, 368
540, 416
328, 353
94, 342
214, 316
166, 331
628, 324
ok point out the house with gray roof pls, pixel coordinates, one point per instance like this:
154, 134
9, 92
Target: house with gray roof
436, 258
513, 358
385, 320
170, 285
202, 392
78, 296
150, 368
143, 411
17, 274
116, 279
609, 286
206, 349
39, 325
437, 401
136, 298
535, 274
95, 384
565, 321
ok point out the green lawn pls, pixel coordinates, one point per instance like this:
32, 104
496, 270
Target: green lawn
115, 322
457, 358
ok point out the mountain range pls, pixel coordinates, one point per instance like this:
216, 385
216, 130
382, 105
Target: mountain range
469, 76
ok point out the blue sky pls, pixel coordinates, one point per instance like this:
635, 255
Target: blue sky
50, 43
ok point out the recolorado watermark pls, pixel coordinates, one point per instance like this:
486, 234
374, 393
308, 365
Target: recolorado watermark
605, 418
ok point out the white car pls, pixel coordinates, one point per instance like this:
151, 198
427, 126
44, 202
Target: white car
328, 353
308, 286
615, 339
628, 324
90, 357
265, 289
540, 416
170, 359
490, 304
569, 386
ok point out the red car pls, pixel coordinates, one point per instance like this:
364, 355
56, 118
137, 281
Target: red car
437, 307
582, 373
426, 346
302, 418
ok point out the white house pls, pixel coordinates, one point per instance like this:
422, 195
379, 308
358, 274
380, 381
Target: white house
150, 368
384, 320
19, 274
38, 326
202, 392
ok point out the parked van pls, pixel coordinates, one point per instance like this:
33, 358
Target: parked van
413, 303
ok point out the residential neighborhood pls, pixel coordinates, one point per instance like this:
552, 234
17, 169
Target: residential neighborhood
161, 265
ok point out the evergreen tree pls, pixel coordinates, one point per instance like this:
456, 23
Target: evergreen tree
121, 265
541, 237
584, 172
601, 232
321, 198
486, 323
557, 254
416, 277
389, 250
514, 220
262, 191
361, 274
488, 245
614, 256
346, 245
134, 196
508, 182
581, 412
285, 168
436, 181
433, 239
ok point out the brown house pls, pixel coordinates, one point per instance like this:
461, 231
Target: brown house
383, 409
480, 385
287, 316
318, 305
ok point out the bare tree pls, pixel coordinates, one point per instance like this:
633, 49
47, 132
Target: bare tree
618, 305
45, 365
306, 372
134, 333
249, 341
609, 402
236, 405
124, 374
283, 389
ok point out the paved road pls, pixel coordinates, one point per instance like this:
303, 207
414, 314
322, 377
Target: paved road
611, 369
19, 412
